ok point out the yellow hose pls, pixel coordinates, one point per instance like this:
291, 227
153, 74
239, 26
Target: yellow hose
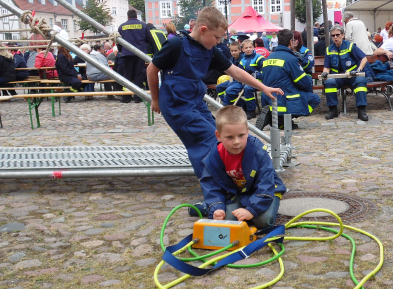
290, 224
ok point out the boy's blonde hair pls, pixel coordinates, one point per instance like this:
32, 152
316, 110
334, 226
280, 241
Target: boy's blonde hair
212, 18
248, 41
230, 114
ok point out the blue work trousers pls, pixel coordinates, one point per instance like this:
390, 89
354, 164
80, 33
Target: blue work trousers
266, 219
358, 84
232, 92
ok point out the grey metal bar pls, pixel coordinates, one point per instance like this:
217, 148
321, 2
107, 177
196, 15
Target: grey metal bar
98, 26
120, 79
87, 173
252, 127
275, 138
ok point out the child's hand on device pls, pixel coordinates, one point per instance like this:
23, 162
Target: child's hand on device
242, 214
219, 215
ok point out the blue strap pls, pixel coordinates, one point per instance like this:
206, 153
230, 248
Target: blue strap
245, 253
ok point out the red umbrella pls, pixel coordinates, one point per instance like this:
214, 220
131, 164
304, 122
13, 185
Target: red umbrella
250, 21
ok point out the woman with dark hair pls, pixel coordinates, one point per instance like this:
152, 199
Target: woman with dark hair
302, 53
67, 73
260, 48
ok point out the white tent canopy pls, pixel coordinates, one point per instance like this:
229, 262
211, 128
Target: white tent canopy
374, 13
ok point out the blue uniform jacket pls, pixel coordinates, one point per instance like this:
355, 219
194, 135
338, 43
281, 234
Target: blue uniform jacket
252, 63
136, 33
282, 69
65, 67
20, 62
345, 58
307, 60
261, 180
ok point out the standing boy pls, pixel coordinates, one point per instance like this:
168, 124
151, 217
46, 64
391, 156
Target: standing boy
237, 55
252, 63
184, 61
238, 180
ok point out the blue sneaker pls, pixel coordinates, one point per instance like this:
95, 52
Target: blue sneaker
201, 206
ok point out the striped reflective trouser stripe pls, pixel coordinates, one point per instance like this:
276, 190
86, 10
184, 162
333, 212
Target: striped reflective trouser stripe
359, 89
331, 90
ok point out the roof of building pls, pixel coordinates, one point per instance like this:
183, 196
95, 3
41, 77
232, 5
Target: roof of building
48, 7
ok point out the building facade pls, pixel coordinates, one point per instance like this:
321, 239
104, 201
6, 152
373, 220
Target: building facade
8, 23
160, 12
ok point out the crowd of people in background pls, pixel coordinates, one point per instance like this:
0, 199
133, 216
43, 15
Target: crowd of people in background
150, 40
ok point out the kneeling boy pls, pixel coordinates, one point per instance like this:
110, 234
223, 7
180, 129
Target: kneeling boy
238, 180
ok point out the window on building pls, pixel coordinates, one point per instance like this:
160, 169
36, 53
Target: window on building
220, 5
43, 2
51, 22
179, 10
113, 11
15, 37
54, 3
75, 26
4, 12
165, 9
31, 1
275, 6
258, 6
64, 24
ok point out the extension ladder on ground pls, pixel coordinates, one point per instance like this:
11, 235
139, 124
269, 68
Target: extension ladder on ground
103, 161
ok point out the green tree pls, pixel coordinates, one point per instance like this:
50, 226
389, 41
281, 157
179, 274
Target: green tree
189, 9
300, 10
96, 10
139, 5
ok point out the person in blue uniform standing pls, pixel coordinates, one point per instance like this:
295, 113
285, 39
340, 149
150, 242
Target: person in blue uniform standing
343, 56
303, 53
137, 33
252, 64
283, 69
237, 55
239, 181
183, 62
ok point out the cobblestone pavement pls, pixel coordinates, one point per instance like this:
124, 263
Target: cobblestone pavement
94, 233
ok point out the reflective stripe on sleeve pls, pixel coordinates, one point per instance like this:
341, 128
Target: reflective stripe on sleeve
300, 77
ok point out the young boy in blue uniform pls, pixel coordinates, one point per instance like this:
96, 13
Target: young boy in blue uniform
252, 63
238, 180
184, 61
236, 52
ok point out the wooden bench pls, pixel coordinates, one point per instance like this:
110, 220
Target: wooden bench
383, 87
34, 100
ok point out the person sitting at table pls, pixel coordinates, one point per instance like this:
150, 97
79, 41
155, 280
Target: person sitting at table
45, 61
7, 67
82, 69
67, 73
95, 74
30, 62
19, 62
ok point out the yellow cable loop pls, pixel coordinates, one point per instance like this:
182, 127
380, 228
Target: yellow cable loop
290, 224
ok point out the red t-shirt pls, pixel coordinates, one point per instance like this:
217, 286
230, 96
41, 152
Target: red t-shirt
233, 165
262, 51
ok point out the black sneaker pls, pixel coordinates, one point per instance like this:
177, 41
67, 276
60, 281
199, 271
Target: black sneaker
201, 206
264, 118
251, 114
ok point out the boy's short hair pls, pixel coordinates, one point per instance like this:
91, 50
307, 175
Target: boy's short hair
248, 41
212, 18
235, 43
230, 114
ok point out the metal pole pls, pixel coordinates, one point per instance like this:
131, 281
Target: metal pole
275, 138
326, 23
310, 26
98, 26
293, 28
71, 47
